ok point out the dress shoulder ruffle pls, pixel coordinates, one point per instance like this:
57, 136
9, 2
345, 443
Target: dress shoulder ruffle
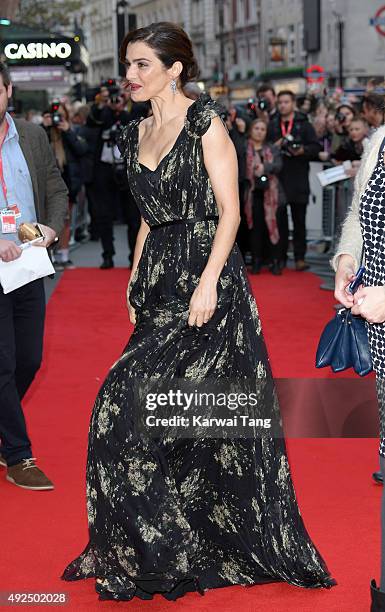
200, 114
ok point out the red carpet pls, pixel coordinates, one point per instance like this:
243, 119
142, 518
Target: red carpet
87, 327
294, 311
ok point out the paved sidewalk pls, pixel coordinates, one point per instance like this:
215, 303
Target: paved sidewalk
89, 255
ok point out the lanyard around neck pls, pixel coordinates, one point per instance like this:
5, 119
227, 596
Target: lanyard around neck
2, 179
287, 130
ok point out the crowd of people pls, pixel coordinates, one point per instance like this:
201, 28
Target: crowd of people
276, 136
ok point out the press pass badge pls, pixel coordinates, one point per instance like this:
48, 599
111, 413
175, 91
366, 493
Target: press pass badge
15, 209
8, 221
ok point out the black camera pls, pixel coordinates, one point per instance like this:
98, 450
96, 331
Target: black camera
113, 90
55, 115
290, 145
261, 182
251, 108
340, 117
263, 104
115, 133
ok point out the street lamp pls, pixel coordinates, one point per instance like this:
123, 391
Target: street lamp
120, 10
340, 28
221, 76
125, 22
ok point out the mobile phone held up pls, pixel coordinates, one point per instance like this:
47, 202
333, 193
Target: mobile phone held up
357, 281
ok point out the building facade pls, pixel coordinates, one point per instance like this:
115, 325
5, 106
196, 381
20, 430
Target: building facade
98, 21
363, 40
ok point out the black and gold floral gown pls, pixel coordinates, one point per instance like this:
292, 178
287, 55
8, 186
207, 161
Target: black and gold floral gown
180, 514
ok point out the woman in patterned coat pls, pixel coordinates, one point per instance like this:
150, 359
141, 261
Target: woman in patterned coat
363, 233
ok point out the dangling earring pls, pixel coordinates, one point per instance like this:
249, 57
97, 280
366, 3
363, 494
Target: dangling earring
173, 86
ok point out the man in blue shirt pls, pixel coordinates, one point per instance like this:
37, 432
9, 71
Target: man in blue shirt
31, 190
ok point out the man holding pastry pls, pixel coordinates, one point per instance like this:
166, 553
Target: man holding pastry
33, 203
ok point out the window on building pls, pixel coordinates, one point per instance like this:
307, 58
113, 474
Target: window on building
301, 40
241, 11
292, 50
235, 11
247, 10
329, 36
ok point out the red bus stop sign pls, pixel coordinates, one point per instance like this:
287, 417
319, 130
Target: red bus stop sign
315, 74
378, 21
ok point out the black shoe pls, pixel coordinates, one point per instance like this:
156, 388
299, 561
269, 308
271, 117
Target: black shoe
378, 598
275, 268
108, 263
378, 478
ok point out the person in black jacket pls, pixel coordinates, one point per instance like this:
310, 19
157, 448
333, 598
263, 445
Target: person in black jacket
68, 148
109, 185
291, 131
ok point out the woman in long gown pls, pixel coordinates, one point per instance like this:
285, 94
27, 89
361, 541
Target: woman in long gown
177, 514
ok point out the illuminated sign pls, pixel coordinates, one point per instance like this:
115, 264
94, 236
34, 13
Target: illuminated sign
378, 21
37, 50
315, 74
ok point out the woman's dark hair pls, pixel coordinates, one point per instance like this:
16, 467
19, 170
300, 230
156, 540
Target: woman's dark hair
374, 101
348, 106
170, 44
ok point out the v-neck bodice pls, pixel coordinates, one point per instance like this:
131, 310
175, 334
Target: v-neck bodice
179, 187
164, 158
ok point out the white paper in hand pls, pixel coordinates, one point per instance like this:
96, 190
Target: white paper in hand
32, 264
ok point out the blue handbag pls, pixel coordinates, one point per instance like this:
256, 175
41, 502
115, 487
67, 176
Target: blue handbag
344, 344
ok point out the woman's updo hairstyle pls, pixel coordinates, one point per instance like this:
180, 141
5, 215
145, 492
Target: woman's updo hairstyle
170, 44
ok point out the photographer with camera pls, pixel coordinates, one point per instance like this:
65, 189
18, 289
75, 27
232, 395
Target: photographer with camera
291, 131
267, 100
68, 148
109, 186
344, 116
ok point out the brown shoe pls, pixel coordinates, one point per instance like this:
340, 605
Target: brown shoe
301, 265
28, 476
3, 462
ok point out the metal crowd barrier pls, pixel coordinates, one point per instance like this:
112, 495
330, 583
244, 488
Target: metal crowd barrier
335, 202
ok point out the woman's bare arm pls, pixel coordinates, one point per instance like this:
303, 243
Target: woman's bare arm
222, 166
221, 163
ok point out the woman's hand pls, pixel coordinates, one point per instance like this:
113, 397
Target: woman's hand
324, 156
130, 308
203, 301
369, 302
344, 276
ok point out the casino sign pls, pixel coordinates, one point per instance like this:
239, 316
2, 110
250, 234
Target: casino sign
37, 50
378, 21
24, 46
